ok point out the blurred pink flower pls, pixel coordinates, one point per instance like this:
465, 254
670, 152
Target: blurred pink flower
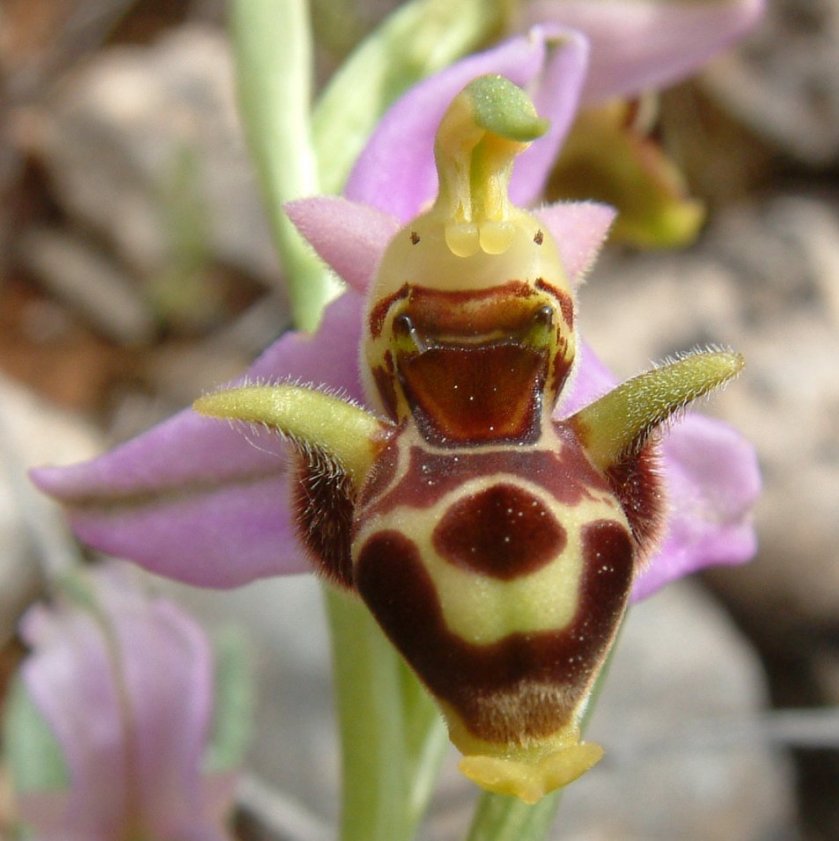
126, 686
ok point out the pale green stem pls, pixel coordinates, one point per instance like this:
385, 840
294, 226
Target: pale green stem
272, 43
426, 740
393, 739
390, 749
499, 818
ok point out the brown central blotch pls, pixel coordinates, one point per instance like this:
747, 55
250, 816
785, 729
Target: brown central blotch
503, 532
472, 394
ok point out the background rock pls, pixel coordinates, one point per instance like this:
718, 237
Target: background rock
782, 82
84, 279
32, 433
136, 123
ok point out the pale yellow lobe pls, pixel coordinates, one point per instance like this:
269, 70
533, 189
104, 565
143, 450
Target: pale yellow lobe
463, 239
531, 781
426, 253
530, 771
497, 237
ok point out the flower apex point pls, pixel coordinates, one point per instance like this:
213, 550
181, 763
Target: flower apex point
531, 781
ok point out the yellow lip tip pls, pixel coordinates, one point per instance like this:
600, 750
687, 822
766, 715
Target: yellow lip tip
531, 781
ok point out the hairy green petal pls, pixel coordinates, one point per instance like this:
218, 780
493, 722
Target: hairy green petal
311, 418
621, 421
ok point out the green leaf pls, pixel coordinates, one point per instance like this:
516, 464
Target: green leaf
232, 704
32, 753
418, 39
273, 53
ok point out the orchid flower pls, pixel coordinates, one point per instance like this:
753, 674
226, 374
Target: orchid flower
209, 505
124, 683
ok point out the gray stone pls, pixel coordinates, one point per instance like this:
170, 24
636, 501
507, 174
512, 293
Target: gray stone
92, 285
33, 433
782, 81
681, 674
139, 124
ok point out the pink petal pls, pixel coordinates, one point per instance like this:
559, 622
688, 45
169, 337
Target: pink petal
129, 696
713, 481
556, 95
395, 173
349, 237
580, 229
68, 646
172, 706
201, 501
639, 45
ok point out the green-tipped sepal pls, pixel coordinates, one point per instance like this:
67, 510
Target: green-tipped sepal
347, 434
336, 443
618, 424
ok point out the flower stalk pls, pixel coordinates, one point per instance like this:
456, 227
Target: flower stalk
392, 740
275, 89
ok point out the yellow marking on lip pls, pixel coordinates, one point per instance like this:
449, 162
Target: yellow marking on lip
528, 771
481, 609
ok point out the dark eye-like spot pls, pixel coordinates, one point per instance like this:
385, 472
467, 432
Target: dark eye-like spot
415, 237
544, 316
539, 238
402, 325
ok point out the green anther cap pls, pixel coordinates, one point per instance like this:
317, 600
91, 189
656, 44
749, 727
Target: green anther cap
502, 108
